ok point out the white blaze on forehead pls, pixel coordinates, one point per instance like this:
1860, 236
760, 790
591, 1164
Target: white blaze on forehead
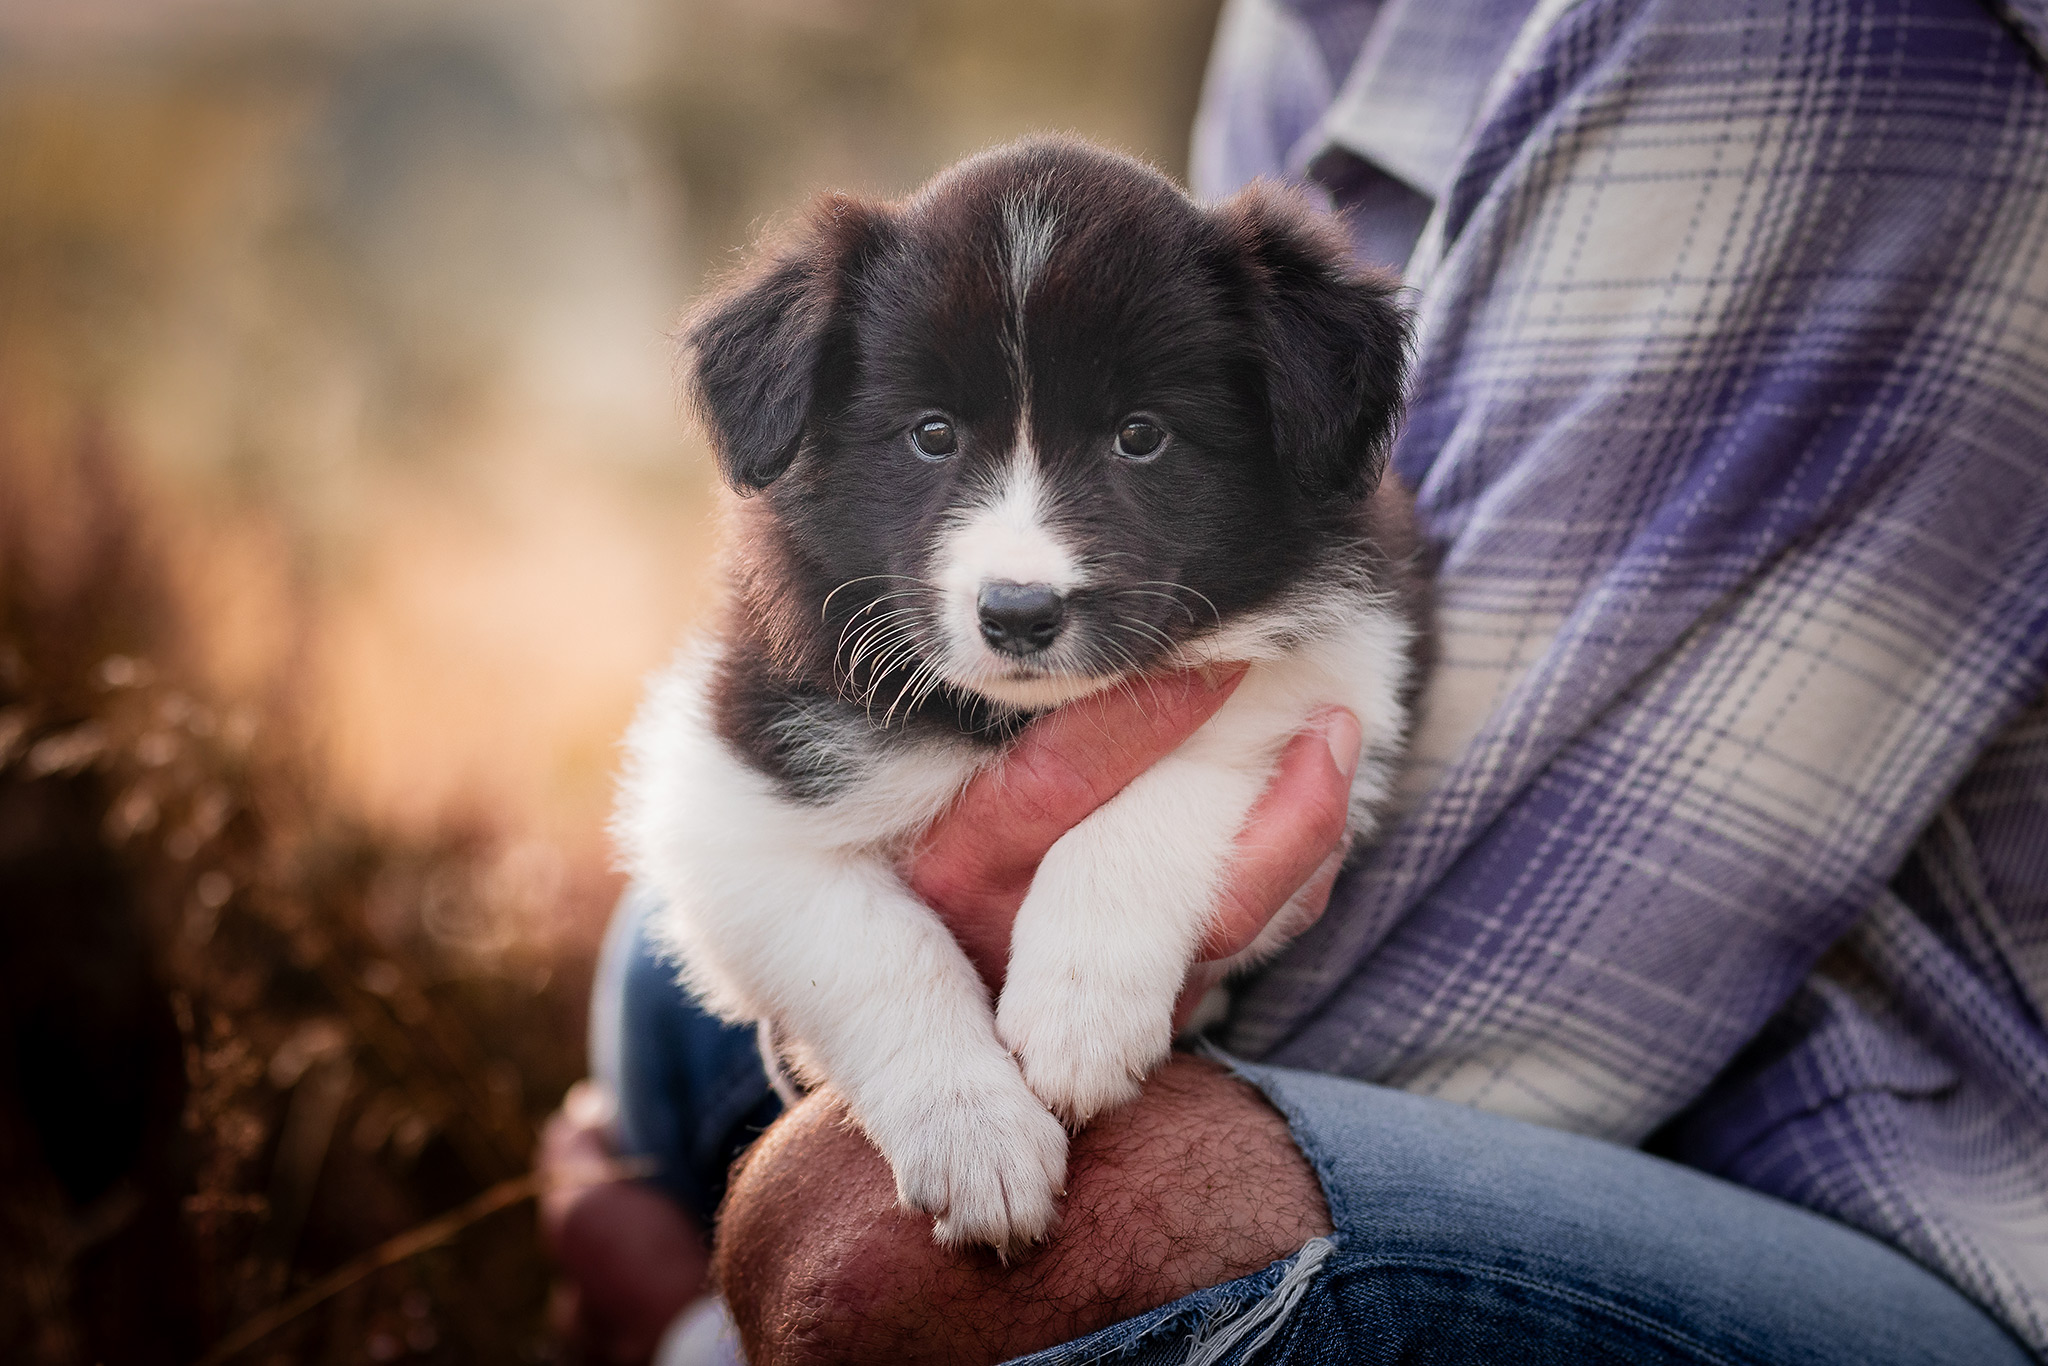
1030, 228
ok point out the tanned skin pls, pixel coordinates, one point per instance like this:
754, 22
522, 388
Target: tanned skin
1195, 1183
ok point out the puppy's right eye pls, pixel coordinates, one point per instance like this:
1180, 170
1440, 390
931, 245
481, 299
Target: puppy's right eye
934, 439
1139, 439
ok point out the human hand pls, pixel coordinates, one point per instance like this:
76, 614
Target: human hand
631, 1258
977, 862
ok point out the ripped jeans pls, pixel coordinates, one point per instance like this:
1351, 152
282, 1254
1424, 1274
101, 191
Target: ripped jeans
1461, 1237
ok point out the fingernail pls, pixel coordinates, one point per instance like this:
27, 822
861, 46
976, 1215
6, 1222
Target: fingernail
1342, 731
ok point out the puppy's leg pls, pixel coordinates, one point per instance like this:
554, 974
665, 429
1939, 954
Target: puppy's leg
836, 951
1104, 938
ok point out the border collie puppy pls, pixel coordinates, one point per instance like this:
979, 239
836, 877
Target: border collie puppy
1040, 429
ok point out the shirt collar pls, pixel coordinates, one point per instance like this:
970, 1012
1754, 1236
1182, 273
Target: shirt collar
1417, 87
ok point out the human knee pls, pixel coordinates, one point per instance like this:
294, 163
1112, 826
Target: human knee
1195, 1183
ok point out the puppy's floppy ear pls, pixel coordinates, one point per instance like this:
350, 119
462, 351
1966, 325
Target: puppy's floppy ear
1332, 341
759, 352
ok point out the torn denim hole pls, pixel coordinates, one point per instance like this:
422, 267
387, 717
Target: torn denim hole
1268, 1316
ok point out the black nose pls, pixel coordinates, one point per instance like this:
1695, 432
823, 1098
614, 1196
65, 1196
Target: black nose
1020, 618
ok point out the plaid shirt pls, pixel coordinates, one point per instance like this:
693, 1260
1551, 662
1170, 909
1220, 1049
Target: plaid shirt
1727, 824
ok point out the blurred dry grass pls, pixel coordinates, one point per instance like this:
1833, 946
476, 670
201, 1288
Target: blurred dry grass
249, 1034
343, 505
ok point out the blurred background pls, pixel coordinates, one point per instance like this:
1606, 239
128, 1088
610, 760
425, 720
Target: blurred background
345, 500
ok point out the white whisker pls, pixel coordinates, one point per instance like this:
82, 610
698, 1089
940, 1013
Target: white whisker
826, 605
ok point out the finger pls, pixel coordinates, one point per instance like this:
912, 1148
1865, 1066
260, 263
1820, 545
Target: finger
1065, 765
1314, 898
574, 1143
1293, 840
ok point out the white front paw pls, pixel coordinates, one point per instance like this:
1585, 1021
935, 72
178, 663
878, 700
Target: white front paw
1083, 1050
988, 1163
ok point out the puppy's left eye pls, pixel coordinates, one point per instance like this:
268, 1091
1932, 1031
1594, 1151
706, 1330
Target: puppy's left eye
1139, 438
934, 438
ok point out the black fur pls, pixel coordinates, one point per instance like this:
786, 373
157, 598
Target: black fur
1334, 349
763, 352
1275, 363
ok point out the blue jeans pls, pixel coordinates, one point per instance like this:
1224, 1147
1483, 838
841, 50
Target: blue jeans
1461, 1237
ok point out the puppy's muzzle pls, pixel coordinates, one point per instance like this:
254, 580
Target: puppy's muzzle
1020, 618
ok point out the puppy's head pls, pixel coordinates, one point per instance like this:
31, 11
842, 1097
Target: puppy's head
1048, 423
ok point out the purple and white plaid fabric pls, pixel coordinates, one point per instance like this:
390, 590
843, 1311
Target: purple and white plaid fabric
1727, 826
